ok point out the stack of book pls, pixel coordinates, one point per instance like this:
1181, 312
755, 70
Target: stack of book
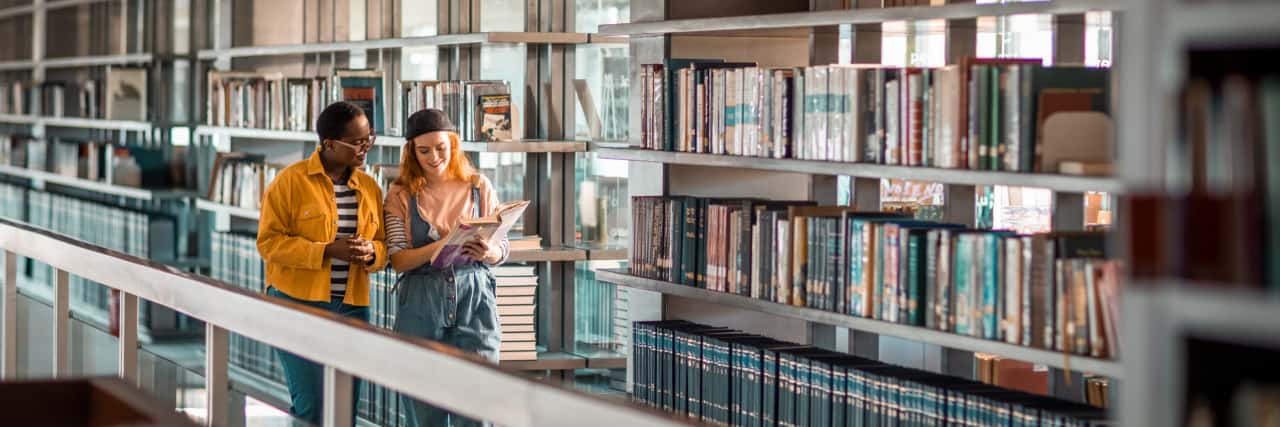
1055, 291
517, 293
13, 202
127, 88
271, 101
986, 114
234, 259
726, 377
1221, 221
481, 110
141, 234
85, 160
524, 242
600, 312
377, 403
240, 179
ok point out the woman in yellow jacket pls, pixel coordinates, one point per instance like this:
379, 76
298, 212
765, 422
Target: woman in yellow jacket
321, 234
452, 304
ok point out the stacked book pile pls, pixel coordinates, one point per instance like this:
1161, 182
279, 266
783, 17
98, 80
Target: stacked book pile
985, 114
271, 101
234, 259
141, 234
1055, 291
517, 293
481, 109
240, 179
726, 377
124, 98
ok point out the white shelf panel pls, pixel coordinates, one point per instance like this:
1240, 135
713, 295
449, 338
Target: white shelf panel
1227, 22
72, 122
10, 12
440, 40
16, 65
1244, 316
1110, 368
234, 211
857, 16
18, 119
525, 147
69, 3
249, 133
93, 61
84, 184
549, 254
1062, 183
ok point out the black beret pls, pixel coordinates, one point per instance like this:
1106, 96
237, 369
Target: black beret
427, 121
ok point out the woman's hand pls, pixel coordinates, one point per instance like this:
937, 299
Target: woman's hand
480, 250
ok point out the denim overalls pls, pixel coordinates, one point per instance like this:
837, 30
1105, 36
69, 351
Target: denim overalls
455, 306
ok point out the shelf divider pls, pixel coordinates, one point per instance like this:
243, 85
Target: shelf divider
1110, 368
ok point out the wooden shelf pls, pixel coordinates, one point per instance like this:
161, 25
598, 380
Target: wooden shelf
1062, 183
1106, 367
95, 186
547, 361
856, 16
395, 43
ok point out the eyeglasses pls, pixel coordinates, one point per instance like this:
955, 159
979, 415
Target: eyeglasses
362, 144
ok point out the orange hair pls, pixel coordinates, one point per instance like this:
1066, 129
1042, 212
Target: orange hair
413, 178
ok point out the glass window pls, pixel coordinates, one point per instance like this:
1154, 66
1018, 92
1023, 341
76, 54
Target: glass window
502, 15
590, 14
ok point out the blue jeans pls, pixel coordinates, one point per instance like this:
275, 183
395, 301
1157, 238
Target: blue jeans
306, 378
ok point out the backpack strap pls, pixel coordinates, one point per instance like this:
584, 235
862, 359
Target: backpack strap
476, 209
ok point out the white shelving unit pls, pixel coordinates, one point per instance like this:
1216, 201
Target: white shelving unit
1160, 316
855, 16
777, 40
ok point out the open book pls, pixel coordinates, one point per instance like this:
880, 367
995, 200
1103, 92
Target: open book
491, 228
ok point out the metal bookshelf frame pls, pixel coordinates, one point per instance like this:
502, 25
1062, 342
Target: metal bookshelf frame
655, 35
419, 368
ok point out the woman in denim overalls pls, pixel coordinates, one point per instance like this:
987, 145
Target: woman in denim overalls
437, 187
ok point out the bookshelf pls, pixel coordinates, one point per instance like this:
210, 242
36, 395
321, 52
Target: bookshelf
1197, 339
534, 146
798, 34
950, 11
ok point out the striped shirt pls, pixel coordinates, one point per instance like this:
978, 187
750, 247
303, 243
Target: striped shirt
347, 203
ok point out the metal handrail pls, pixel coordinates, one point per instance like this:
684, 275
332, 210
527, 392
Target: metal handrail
422, 369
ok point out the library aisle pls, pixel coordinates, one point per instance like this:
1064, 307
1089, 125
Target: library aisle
748, 213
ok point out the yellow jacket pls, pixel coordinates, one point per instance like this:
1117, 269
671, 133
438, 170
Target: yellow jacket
299, 217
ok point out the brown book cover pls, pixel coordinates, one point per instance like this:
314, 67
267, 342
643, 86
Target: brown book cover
1019, 375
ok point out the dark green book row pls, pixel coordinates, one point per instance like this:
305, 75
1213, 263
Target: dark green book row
727, 377
1055, 291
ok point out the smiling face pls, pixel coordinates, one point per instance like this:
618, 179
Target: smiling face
433, 153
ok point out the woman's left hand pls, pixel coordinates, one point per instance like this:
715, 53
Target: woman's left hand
481, 250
